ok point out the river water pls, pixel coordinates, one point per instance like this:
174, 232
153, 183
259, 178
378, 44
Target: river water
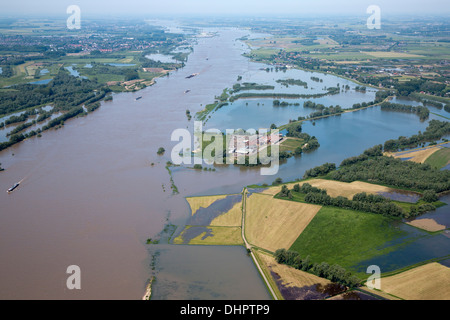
90, 196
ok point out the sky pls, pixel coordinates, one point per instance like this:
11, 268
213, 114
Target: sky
222, 7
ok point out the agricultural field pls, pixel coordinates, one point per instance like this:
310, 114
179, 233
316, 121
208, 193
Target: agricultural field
427, 282
291, 283
212, 235
293, 43
392, 55
232, 218
214, 221
290, 144
202, 202
335, 188
419, 155
272, 224
346, 237
439, 159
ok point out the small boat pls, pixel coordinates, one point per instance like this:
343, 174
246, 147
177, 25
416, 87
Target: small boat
13, 188
138, 98
192, 75
187, 91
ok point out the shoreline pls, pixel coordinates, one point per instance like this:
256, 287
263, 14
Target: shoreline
148, 290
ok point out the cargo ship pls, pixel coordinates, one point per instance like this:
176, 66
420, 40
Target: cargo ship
13, 188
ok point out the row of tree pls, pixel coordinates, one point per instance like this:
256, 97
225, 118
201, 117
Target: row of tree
334, 273
375, 151
421, 111
320, 170
394, 172
360, 202
250, 86
293, 82
436, 130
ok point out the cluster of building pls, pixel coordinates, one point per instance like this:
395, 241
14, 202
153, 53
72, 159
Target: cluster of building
246, 144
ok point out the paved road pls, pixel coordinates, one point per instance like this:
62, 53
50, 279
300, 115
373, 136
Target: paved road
249, 246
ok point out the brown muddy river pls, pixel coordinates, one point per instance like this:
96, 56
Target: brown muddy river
91, 198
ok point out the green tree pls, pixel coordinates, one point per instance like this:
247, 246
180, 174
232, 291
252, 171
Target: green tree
430, 196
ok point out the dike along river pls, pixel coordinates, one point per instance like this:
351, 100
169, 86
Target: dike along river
90, 196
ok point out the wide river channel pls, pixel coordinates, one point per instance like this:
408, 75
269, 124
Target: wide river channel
91, 197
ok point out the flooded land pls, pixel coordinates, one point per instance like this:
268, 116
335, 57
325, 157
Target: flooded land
95, 190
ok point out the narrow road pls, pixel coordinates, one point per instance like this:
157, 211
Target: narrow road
249, 246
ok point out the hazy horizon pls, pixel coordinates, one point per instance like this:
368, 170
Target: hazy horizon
224, 8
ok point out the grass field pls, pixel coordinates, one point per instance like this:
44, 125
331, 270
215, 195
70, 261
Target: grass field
439, 159
215, 236
345, 237
290, 144
427, 282
291, 43
202, 202
272, 224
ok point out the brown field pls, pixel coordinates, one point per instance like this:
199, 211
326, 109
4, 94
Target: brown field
336, 188
427, 282
232, 218
291, 277
203, 202
383, 54
419, 155
273, 224
427, 224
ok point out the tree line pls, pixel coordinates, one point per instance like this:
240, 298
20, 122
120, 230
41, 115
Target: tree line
372, 166
293, 82
250, 86
421, 111
394, 172
436, 130
319, 170
334, 273
360, 202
